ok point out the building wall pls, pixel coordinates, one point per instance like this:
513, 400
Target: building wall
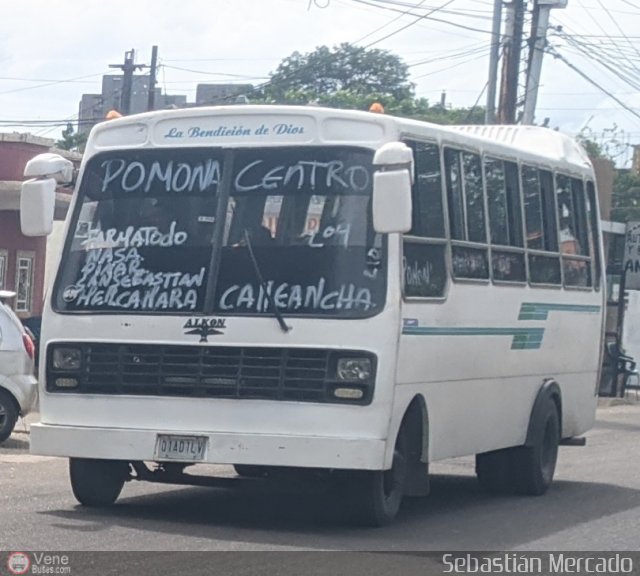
16, 246
605, 174
15, 154
207, 94
94, 107
22, 258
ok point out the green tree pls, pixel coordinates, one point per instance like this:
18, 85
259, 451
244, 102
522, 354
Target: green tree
71, 140
625, 202
351, 77
625, 198
593, 149
346, 69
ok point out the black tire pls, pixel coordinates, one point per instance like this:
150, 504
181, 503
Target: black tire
251, 470
534, 465
97, 483
375, 496
494, 471
8, 414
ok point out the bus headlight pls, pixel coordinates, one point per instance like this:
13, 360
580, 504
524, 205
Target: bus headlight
67, 358
353, 369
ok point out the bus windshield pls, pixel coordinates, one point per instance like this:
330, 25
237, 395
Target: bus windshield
215, 231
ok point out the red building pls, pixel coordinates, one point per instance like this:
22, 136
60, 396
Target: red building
23, 259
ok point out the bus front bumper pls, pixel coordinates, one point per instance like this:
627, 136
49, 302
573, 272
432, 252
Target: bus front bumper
221, 448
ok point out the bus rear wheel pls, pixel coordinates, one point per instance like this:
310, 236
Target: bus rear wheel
534, 465
251, 470
97, 483
493, 470
527, 469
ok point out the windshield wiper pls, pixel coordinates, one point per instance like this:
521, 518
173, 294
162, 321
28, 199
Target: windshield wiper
256, 267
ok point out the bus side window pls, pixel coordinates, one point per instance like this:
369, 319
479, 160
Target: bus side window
424, 259
427, 219
463, 171
505, 220
574, 244
540, 223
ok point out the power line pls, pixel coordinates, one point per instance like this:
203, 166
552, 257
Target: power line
615, 22
418, 19
387, 24
559, 56
480, 49
48, 80
242, 76
52, 83
448, 22
598, 24
628, 3
450, 66
619, 68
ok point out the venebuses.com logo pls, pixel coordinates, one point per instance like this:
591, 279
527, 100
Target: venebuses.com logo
38, 563
18, 563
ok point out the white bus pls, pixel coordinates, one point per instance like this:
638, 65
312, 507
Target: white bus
282, 288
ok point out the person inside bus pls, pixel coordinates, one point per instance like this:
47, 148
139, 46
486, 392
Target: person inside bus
576, 273
568, 241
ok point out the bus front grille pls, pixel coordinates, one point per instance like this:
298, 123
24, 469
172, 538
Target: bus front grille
296, 374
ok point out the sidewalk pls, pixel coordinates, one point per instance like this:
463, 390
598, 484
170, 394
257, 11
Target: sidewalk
629, 400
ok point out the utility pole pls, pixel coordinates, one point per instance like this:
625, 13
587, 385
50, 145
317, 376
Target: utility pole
537, 43
511, 62
128, 68
152, 79
490, 112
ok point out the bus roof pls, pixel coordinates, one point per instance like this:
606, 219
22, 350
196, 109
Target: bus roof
323, 125
532, 140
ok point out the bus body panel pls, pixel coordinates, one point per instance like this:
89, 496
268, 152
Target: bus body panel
291, 450
474, 356
273, 432
476, 385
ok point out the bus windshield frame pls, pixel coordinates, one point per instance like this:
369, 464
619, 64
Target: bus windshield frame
165, 231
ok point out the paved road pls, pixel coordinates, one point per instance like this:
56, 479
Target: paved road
593, 505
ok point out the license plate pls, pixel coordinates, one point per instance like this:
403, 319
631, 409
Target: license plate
189, 448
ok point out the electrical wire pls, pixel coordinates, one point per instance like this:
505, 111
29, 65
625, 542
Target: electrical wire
418, 19
617, 25
451, 66
560, 57
52, 83
432, 19
398, 17
242, 76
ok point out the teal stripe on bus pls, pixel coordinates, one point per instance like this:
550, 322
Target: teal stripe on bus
540, 310
523, 338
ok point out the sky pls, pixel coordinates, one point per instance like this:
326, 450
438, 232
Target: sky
53, 51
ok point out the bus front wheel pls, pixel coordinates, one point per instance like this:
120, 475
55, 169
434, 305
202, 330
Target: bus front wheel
97, 483
375, 496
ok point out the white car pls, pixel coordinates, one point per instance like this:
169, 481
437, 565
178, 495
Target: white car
18, 384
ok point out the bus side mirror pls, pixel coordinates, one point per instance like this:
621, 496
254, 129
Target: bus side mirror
392, 182
38, 195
